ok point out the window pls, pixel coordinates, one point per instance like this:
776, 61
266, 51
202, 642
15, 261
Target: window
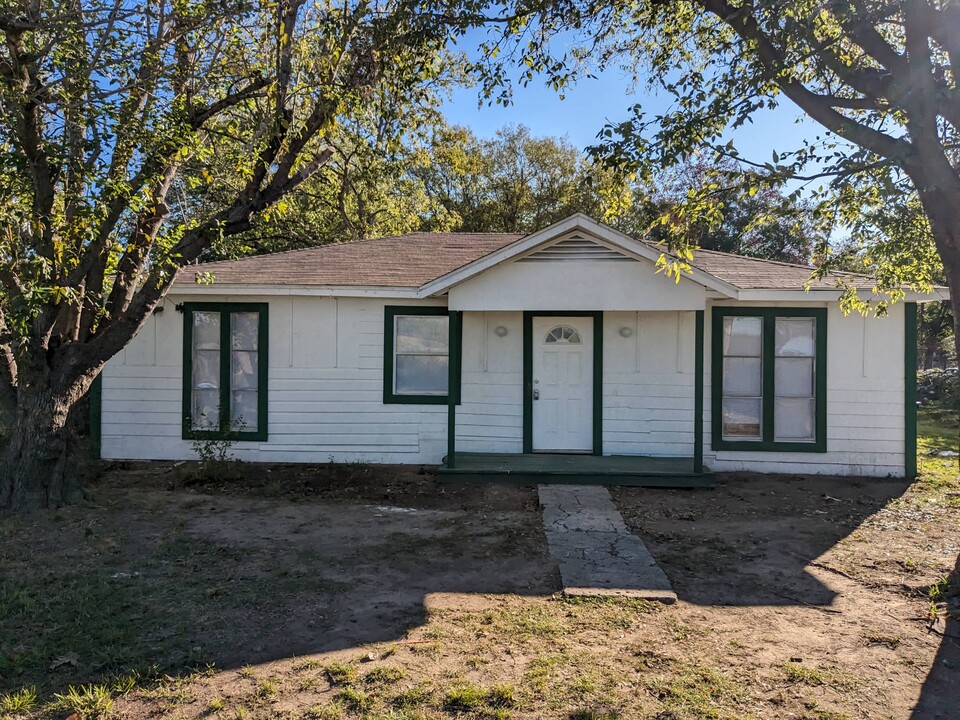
416, 355
225, 371
769, 379
563, 334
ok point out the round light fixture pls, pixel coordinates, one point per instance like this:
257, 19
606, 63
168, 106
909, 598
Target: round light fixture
500, 331
626, 331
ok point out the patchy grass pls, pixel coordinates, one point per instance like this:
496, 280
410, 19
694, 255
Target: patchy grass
117, 610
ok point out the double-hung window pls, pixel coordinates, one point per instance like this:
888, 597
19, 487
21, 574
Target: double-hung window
416, 355
225, 371
769, 379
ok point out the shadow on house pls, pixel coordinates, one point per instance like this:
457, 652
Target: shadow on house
750, 541
940, 696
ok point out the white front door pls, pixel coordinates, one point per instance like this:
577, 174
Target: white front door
563, 384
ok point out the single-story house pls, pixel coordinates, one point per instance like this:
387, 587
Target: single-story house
560, 351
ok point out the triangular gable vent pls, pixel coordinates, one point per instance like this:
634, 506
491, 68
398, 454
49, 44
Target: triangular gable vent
576, 247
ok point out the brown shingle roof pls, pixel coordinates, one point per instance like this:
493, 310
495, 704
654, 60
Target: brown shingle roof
406, 261
747, 273
411, 260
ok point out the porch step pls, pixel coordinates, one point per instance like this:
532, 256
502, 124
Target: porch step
576, 469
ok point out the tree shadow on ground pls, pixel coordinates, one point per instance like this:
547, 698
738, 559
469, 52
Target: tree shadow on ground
940, 696
751, 540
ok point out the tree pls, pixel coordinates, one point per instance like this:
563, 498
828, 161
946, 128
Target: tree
879, 76
114, 118
764, 224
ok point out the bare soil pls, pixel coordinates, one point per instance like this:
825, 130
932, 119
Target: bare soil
351, 592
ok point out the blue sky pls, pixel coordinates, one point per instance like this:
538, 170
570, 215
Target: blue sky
591, 103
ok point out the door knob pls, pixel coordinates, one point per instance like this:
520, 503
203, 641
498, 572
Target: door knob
536, 394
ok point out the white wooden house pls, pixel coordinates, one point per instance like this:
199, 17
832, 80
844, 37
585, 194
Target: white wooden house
560, 352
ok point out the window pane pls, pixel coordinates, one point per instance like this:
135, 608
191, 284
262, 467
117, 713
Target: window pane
794, 419
421, 374
206, 369
742, 336
741, 418
206, 331
422, 334
205, 413
243, 330
793, 377
243, 370
243, 410
795, 337
742, 377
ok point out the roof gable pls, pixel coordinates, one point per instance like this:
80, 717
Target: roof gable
597, 234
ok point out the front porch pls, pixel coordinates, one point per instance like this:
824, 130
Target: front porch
534, 468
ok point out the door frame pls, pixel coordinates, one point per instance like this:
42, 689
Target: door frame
597, 316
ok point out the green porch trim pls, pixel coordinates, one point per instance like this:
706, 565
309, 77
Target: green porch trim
263, 362
768, 361
698, 395
910, 390
96, 415
390, 312
537, 468
454, 373
597, 316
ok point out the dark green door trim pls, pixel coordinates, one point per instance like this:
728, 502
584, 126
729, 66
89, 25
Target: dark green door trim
910, 390
767, 442
698, 395
597, 373
454, 370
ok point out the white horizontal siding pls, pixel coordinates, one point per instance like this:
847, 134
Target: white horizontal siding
648, 383
325, 381
865, 404
326, 384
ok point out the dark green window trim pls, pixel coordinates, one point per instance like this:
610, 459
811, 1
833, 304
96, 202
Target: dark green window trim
528, 317
263, 336
698, 394
910, 390
390, 312
767, 442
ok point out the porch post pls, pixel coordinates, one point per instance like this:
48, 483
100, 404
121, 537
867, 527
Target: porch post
910, 390
453, 384
698, 396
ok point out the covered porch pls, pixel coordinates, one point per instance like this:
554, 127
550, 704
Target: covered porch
532, 468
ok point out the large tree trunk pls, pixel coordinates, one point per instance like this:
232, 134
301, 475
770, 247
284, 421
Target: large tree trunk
38, 470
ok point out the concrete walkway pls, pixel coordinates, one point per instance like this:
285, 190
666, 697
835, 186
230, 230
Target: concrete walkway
597, 554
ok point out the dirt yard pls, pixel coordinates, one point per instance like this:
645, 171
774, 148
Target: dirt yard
348, 593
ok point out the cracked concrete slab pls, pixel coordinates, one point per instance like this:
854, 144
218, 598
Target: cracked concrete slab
596, 552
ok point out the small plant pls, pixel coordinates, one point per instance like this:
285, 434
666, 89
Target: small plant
88, 702
267, 688
502, 696
419, 694
214, 455
341, 673
353, 699
247, 671
216, 705
383, 675
465, 698
21, 701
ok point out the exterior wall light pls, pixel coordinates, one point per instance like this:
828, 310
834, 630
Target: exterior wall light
500, 331
626, 331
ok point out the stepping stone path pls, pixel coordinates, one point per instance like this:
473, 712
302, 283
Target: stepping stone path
597, 554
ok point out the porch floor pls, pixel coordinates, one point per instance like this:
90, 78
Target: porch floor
579, 469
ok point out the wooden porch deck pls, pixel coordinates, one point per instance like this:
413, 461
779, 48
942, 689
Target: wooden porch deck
577, 469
